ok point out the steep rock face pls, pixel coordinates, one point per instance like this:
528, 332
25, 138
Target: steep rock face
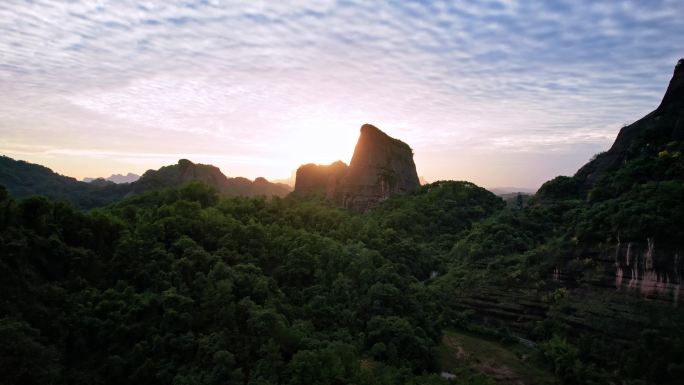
648, 134
314, 179
380, 167
674, 96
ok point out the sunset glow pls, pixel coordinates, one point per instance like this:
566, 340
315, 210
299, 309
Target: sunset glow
258, 88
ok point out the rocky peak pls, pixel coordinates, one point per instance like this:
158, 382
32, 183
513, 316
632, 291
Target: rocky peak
674, 96
645, 137
316, 179
380, 167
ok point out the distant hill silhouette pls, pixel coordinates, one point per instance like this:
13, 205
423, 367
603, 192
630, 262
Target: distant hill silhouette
23, 179
116, 178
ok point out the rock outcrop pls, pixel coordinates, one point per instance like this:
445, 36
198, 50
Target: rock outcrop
674, 96
314, 179
648, 134
380, 167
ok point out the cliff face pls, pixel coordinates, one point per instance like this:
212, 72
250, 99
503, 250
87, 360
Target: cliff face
674, 96
314, 179
649, 134
380, 167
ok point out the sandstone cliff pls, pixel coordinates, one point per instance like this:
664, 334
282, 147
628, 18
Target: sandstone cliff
314, 179
380, 167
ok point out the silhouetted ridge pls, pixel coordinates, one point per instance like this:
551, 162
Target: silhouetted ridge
23, 179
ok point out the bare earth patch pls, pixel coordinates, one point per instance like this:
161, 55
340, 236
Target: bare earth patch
489, 358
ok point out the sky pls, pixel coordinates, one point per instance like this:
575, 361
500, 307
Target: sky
499, 92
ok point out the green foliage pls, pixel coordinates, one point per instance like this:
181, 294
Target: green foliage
181, 287
24, 359
564, 359
185, 285
560, 187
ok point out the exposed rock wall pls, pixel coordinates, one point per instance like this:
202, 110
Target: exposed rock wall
380, 167
314, 179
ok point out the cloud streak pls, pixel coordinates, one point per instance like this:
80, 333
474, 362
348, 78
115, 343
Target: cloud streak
273, 80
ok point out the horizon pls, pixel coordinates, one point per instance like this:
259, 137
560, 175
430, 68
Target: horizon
498, 93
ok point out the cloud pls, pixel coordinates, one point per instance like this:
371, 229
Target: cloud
247, 77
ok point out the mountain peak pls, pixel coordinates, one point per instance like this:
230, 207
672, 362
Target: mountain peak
646, 137
674, 96
369, 127
371, 133
381, 166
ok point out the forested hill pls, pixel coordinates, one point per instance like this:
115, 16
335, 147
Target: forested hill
23, 179
185, 285
592, 266
181, 286
635, 188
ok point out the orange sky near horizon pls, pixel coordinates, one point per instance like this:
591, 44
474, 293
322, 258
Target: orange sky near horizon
500, 93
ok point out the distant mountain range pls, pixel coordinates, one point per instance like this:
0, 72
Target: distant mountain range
511, 190
23, 179
116, 178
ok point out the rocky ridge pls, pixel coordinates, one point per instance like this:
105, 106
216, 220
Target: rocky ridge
649, 134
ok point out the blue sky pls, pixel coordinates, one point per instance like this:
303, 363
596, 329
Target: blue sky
501, 93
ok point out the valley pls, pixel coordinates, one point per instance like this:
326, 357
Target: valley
360, 275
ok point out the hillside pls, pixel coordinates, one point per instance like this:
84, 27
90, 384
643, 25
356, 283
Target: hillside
658, 134
23, 179
590, 267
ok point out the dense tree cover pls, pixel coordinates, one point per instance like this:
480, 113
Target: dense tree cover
25, 179
641, 198
558, 255
187, 286
500, 282
184, 287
